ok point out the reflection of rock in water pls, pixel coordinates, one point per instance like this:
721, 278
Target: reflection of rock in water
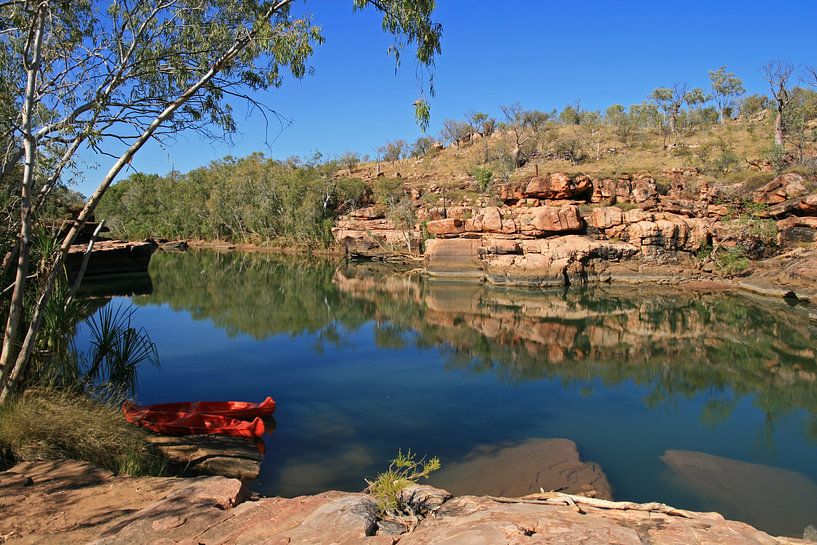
776, 500
525, 468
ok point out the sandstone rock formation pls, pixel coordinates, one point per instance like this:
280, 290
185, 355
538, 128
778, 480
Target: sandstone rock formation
111, 257
72, 504
532, 238
232, 457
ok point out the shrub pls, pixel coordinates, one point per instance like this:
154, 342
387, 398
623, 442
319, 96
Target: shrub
777, 156
484, 176
351, 193
48, 425
404, 470
388, 191
732, 261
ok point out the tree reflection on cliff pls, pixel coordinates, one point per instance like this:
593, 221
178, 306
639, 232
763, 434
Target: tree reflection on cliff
674, 342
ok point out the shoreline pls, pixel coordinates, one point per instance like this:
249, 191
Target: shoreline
100, 508
659, 275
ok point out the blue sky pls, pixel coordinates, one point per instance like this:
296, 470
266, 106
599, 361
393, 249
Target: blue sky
544, 54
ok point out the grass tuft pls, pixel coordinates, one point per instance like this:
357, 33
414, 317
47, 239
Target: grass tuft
403, 471
49, 425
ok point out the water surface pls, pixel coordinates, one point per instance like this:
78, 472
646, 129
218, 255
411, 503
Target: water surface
365, 360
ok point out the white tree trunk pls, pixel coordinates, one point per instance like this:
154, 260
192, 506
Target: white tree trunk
11, 332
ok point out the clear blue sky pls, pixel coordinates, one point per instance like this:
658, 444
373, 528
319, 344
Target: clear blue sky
542, 53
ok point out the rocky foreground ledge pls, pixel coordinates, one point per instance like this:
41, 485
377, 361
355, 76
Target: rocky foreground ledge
71, 502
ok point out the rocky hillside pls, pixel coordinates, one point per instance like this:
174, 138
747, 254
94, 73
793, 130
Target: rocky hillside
560, 228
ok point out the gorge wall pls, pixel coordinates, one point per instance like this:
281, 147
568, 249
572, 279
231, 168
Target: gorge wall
558, 230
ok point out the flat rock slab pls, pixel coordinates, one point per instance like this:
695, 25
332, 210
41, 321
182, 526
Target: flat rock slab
68, 503
524, 468
774, 498
211, 454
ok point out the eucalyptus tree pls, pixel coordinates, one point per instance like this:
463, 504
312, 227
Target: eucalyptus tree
111, 75
526, 128
421, 146
671, 99
777, 74
726, 87
392, 151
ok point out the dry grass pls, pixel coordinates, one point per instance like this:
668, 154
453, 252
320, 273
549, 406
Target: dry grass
48, 425
643, 152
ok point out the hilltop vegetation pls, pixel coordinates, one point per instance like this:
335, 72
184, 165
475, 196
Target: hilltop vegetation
722, 139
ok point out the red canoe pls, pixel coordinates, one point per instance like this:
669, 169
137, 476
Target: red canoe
232, 409
183, 423
202, 417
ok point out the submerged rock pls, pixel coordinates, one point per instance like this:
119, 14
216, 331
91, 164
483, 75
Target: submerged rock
524, 468
776, 498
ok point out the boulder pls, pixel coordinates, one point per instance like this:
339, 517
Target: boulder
605, 217
453, 256
211, 455
643, 190
555, 261
559, 186
111, 258
491, 220
547, 220
782, 188
446, 227
369, 212
800, 206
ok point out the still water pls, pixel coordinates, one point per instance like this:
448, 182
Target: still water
705, 401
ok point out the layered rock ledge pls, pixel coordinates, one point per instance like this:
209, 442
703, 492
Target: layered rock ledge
559, 230
71, 502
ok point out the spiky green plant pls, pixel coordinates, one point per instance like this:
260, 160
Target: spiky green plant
117, 348
404, 470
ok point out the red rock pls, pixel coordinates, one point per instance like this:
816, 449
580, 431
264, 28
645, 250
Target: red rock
550, 220
784, 187
491, 220
446, 227
559, 186
605, 217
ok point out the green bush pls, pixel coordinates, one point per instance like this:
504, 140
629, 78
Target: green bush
483, 176
778, 157
732, 261
404, 470
388, 191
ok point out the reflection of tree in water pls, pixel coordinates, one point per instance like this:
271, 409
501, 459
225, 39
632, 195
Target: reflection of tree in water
677, 343
255, 294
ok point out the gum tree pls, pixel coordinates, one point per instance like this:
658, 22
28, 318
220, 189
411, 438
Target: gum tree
726, 87
110, 76
525, 127
777, 74
671, 99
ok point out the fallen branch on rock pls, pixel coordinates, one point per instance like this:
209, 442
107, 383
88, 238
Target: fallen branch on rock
558, 498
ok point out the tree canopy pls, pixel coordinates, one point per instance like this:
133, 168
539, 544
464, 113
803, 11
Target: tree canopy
113, 75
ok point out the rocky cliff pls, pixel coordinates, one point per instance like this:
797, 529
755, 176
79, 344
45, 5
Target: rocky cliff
564, 229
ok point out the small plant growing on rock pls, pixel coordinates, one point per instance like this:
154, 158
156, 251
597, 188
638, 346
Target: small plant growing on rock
404, 470
732, 261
